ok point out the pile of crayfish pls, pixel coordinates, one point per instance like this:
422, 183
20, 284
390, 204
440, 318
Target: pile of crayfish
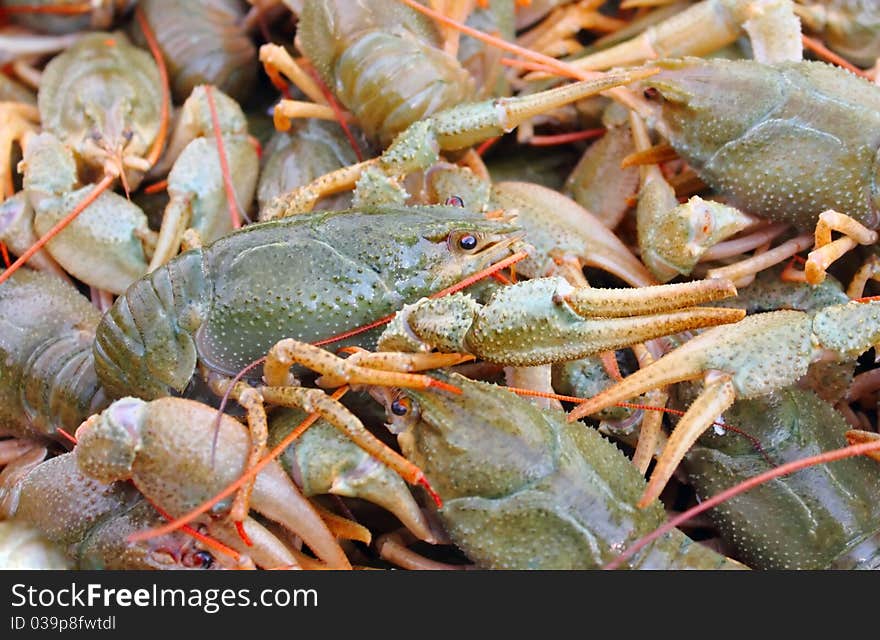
459, 284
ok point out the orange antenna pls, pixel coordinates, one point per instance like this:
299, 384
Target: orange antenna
159, 142
201, 537
156, 187
565, 138
644, 407
828, 55
231, 199
483, 148
67, 436
225, 400
105, 182
62, 9
742, 487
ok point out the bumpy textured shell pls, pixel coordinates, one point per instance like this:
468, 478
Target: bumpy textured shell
525, 489
305, 277
47, 379
203, 42
825, 516
785, 141
382, 62
102, 74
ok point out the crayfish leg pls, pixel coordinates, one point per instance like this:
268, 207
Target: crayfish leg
827, 250
303, 199
538, 378
857, 436
651, 430
385, 370
744, 271
258, 429
393, 548
870, 270
277, 60
287, 110
315, 400
555, 35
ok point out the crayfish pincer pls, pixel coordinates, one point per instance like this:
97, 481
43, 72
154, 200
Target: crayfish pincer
524, 489
165, 448
795, 142
749, 359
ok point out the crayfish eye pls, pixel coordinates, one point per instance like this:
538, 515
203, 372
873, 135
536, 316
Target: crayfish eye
401, 406
651, 93
465, 241
127, 135
204, 559
198, 559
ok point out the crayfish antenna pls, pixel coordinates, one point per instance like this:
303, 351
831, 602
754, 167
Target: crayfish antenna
99, 188
235, 213
164, 115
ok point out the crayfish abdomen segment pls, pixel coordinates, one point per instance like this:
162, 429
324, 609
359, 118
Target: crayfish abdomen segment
47, 378
382, 62
144, 344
